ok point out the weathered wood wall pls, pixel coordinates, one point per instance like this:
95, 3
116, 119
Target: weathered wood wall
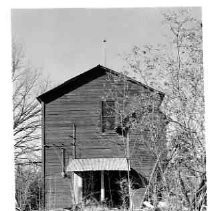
82, 107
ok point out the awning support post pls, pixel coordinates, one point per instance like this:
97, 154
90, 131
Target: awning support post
102, 187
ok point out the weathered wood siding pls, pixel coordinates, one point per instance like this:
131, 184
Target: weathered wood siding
82, 107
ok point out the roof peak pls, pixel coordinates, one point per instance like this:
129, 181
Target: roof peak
82, 78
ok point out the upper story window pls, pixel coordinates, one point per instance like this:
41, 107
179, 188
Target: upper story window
108, 115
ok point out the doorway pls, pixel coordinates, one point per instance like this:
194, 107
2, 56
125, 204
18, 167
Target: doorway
91, 187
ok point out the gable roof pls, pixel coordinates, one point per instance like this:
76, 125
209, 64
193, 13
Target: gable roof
83, 78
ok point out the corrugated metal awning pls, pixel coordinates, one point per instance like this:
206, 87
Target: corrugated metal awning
98, 164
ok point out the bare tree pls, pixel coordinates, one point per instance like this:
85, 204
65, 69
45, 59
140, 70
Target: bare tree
177, 69
27, 84
28, 188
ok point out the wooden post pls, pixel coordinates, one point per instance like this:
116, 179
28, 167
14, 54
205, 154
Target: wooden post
102, 187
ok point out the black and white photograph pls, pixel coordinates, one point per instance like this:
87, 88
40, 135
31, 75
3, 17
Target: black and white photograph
108, 109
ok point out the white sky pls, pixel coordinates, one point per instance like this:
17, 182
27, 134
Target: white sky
66, 42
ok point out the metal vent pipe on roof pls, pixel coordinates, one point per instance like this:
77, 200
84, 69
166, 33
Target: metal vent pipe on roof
104, 52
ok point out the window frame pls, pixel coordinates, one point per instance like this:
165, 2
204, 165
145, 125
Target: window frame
104, 116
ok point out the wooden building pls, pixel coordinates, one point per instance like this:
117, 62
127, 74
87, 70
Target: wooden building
96, 133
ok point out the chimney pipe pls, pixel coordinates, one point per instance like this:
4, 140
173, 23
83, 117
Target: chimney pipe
104, 52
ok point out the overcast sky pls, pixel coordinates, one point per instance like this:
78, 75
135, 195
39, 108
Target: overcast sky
66, 42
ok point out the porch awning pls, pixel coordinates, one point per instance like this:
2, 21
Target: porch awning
98, 164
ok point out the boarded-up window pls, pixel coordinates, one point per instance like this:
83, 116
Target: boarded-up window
108, 115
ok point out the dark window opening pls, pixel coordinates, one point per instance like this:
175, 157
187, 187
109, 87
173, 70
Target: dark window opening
108, 115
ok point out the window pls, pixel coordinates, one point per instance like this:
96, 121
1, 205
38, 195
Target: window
108, 115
